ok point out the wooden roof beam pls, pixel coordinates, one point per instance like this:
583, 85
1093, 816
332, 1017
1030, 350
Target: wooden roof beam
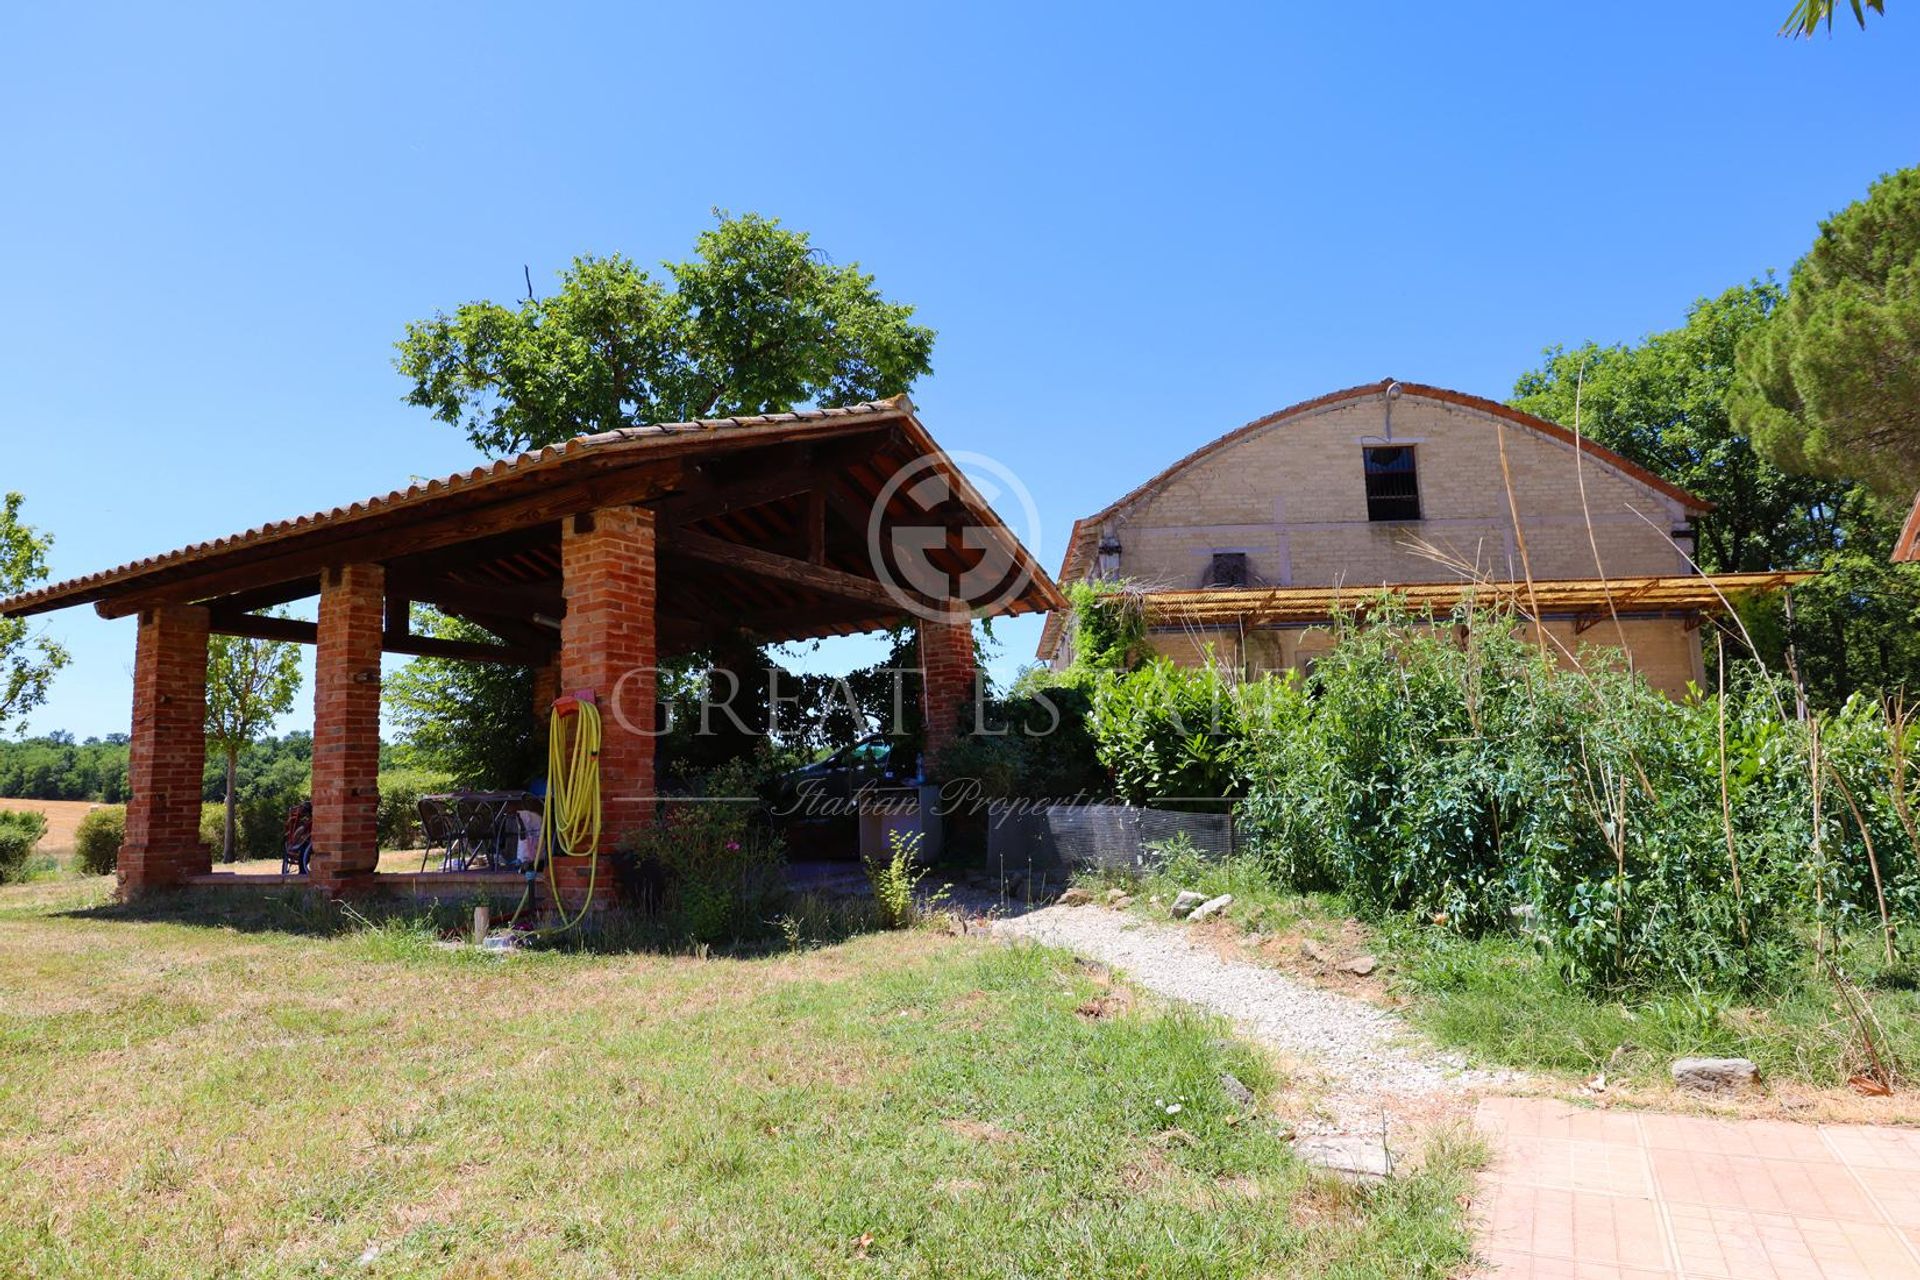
261, 627
782, 569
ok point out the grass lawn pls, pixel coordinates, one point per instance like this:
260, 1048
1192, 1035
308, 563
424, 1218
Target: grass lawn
263, 1098
1502, 1000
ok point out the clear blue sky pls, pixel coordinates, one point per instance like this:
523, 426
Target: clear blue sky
1133, 228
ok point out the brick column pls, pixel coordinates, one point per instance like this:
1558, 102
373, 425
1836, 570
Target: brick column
546, 687
947, 683
607, 645
346, 726
168, 751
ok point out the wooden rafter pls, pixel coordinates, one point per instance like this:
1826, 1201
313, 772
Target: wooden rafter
298, 631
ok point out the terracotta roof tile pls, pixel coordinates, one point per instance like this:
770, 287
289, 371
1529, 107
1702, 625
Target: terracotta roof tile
550, 455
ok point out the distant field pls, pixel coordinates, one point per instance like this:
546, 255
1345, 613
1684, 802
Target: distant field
62, 817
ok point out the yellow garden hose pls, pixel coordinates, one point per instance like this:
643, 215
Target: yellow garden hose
570, 821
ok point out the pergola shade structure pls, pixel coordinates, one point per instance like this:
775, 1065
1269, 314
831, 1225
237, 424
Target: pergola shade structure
589, 561
1586, 601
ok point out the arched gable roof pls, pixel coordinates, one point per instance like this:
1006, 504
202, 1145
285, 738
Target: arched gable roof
1079, 544
1077, 561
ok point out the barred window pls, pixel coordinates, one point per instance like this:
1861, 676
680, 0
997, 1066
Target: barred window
1393, 487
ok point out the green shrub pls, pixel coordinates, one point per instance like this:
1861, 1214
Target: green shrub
721, 872
213, 827
20, 831
97, 840
1182, 735
399, 812
895, 878
1032, 745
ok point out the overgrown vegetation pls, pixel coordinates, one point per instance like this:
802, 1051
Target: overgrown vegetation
708, 867
1500, 997
1454, 770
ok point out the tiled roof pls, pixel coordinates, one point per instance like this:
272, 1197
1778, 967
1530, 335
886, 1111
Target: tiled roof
623, 440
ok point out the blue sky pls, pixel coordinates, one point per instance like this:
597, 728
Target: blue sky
1133, 228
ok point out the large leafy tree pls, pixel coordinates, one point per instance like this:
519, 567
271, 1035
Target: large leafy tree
27, 660
757, 321
1830, 385
473, 720
250, 684
1666, 403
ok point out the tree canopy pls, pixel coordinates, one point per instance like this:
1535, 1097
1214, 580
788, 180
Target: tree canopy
1830, 385
1663, 404
27, 661
757, 321
1666, 403
473, 720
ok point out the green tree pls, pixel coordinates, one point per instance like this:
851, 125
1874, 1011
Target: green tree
1666, 403
1809, 16
250, 684
756, 322
27, 661
1830, 385
1663, 404
473, 720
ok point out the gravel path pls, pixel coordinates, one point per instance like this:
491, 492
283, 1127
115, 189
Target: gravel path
1373, 1062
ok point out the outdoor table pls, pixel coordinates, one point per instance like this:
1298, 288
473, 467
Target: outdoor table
482, 829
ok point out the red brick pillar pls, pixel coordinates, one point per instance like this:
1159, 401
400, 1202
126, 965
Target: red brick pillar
346, 726
546, 687
607, 645
168, 751
947, 683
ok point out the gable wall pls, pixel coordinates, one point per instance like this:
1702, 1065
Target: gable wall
1293, 498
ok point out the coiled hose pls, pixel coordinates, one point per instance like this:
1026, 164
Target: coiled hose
570, 820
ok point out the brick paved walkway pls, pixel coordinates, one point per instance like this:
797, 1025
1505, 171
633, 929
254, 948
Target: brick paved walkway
1577, 1194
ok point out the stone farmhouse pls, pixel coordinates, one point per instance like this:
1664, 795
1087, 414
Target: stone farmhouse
1245, 548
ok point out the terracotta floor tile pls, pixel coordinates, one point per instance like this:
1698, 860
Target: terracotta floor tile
1769, 1139
1617, 1230
1574, 1193
1814, 1189
1549, 1118
1736, 1244
1897, 1192
1573, 1164
1526, 1266
1875, 1147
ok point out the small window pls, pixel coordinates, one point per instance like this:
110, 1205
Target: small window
1228, 569
1393, 488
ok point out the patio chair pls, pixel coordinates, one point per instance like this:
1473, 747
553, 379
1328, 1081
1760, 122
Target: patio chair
296, 845
437, 831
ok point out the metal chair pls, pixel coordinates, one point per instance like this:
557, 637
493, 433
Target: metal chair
296, 844
437, 831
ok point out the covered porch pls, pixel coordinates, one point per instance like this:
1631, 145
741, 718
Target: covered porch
590, 562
